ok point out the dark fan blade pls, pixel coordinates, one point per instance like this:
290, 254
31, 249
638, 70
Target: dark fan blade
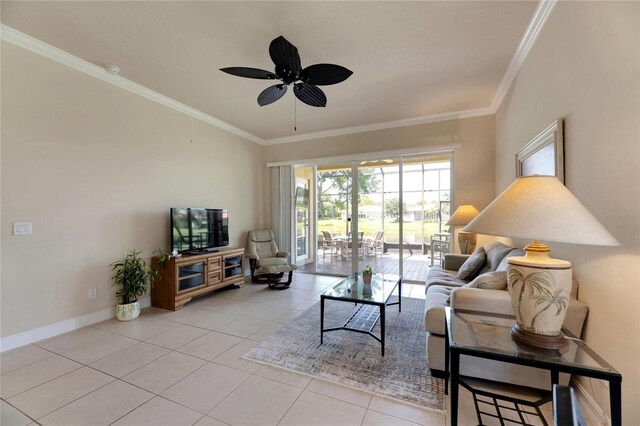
250, 73
271, 94
310, 94
325, 74
284, 55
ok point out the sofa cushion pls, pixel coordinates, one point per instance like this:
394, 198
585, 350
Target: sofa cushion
472, 266
496, 280
434, 315
495, 251
503, 263
439, 276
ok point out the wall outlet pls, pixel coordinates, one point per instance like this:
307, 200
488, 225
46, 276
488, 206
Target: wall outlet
22, 228
93, 293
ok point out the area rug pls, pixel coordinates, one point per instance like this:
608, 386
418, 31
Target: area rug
354, 359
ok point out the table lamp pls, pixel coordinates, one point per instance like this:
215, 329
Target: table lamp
540, 208
462, 216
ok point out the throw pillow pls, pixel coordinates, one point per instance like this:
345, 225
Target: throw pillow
487, 281
490, 280
503, 264
472, 266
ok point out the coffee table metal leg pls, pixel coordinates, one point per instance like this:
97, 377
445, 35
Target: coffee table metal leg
455, 370
400, 295
321, 320
382, 326
615, 400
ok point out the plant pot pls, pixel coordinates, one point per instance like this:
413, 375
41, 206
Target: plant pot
128, 312
366, 278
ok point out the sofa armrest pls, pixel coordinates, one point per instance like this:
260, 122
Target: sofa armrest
482, 300
284, 254
499, 302
453, 261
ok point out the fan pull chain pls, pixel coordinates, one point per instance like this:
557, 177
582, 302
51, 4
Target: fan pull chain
295, 114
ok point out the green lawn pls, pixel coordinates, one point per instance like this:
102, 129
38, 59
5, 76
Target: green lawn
412, 230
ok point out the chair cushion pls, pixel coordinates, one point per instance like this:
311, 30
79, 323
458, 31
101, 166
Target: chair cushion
272, 261
472, 266
276, 269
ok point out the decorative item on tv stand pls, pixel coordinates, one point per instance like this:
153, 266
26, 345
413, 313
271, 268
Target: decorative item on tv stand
540, 208
133, 276
462, 216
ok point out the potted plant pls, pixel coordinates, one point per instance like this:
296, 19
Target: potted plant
366, 274
133, 276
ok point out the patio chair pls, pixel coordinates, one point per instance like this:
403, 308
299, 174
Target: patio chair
268, 265
371, 246
330, 243
347, 246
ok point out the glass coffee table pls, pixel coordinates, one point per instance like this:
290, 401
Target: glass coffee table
488, 336
353, 289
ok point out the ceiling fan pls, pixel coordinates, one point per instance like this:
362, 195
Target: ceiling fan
290, 72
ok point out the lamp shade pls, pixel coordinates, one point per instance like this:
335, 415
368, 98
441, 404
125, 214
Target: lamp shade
463, 215
541, 208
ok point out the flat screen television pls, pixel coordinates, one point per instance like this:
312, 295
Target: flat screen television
195, 230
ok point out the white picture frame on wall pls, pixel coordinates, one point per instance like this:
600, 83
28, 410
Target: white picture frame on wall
544, 154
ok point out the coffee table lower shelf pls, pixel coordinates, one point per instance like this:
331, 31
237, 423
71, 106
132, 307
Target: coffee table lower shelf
361, 322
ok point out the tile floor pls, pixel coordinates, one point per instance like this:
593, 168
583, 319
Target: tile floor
184, 368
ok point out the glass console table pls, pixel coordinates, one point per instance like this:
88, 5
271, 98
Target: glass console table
488, 336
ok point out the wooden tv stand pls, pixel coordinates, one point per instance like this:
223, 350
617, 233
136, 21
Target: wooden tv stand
190, 276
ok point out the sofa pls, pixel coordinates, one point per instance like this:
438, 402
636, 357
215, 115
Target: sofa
445, 288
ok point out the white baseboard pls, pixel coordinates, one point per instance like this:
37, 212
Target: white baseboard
590, 407
52, 330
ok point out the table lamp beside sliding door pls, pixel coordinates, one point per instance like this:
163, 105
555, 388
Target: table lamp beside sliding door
462, 216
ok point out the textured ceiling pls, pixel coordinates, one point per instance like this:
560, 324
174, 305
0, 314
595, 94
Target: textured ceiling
410, 59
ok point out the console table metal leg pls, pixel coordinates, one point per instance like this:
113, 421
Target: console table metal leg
615, 399
455, 370
400, 295
382, 327
321, 320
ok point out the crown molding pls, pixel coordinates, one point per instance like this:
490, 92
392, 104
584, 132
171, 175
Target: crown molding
34, 45
538, 20
381, 126
531, 34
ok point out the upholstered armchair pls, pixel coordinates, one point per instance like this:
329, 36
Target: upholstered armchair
268, 265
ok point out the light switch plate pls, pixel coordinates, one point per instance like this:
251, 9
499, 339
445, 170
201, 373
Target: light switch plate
22, 228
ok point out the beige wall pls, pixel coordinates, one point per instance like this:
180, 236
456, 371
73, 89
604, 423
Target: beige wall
585, 68
473, 174
96, 169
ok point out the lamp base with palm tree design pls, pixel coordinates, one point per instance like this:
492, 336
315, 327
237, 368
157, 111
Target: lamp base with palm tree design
540, 288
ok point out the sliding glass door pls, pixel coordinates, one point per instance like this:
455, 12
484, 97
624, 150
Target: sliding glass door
304, 193
380, 213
